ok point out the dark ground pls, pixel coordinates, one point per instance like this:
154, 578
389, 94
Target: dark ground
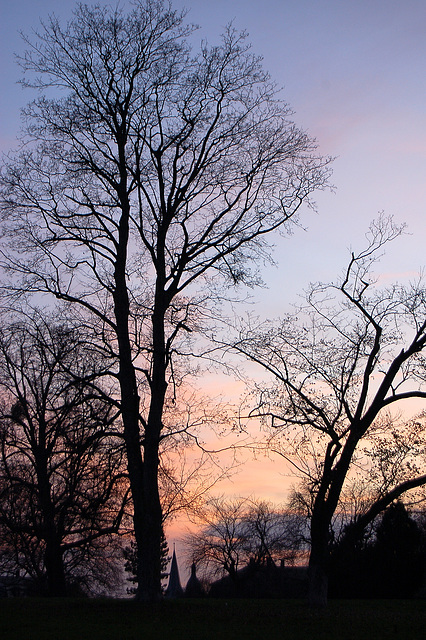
72, 619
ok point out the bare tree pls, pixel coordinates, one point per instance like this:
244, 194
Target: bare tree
218, 545
235, 532
64, 485
272, 533
147, 170
340, 366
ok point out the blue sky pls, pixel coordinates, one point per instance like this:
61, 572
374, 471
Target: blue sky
355, 75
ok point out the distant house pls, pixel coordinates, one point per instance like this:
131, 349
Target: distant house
263, 581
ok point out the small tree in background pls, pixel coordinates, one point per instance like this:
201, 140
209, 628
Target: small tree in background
236, 532
130, 554
219, 544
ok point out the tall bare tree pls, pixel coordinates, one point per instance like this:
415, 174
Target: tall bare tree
148, 176
341, 366
63, 480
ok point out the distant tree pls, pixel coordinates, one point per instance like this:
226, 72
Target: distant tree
219, 543
146, 171
63, 484
339, 365
271, 534
234, 533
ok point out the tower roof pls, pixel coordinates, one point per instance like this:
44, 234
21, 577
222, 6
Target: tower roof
174, 588
194, 588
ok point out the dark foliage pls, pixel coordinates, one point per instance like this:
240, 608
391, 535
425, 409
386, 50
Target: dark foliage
131, 562
390, 564
263, 581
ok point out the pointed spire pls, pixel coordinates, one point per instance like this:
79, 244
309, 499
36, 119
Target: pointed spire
174, 588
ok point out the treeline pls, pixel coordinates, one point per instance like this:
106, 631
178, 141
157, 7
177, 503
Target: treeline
251, 548
65, 508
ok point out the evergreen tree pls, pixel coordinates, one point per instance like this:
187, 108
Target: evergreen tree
389, 565
131, 558
398, 560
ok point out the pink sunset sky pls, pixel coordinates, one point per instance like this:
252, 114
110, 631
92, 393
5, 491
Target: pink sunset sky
354, 74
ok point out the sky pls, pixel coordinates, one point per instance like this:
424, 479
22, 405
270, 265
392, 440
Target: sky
354, 74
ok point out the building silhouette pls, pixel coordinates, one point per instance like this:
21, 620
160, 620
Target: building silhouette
174, 588
194, 588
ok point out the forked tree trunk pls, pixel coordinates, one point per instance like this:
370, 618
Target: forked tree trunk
143, 472
141, 483
150, 552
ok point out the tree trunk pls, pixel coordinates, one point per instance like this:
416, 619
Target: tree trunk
150, 562
56, 583
53, 560
318, 559
150, 586
325, 506
143, 473
318, 584
130, 416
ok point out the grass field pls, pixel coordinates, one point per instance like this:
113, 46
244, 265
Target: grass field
43, 619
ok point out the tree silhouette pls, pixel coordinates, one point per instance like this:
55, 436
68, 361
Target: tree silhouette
339, 365
388, 563
131, 561
150, 176
63, 484
235, 533
399, 554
